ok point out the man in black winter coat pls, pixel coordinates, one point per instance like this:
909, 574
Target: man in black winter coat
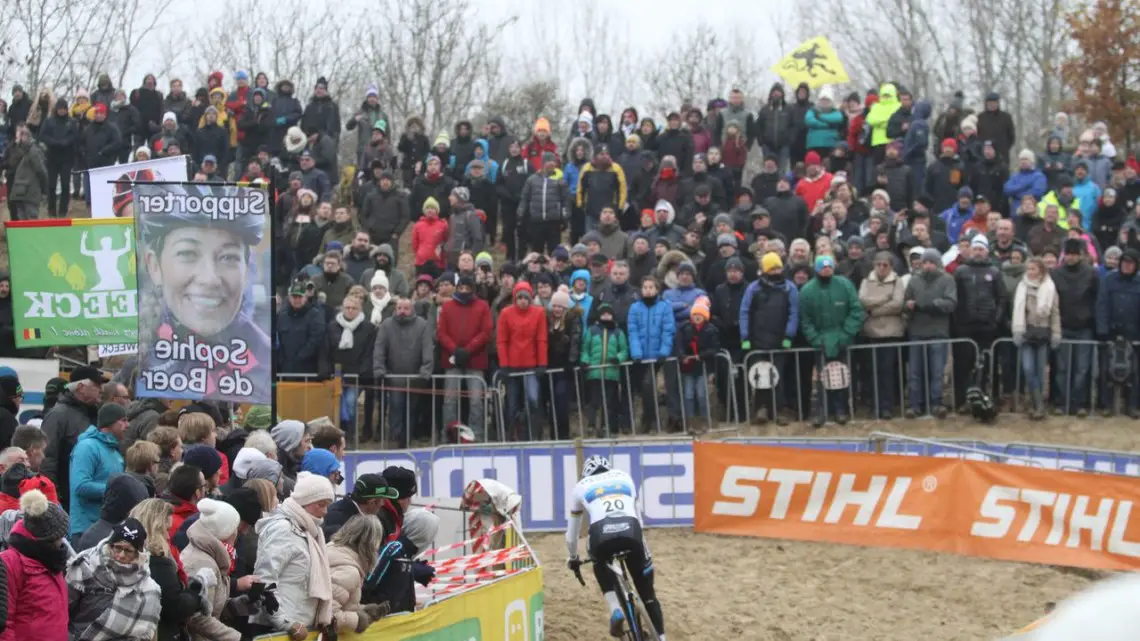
11, 393
676, 142
286, 111
300, 334
462, 148
789, 211
944, 177
1077, 285
726, 299
59, 134
322, 113
384, 213
499, 141
369, 493
997, 126
982, 299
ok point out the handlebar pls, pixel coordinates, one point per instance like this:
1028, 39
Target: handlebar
576, 568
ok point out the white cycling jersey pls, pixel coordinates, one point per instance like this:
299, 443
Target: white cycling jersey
607, 494
601, 496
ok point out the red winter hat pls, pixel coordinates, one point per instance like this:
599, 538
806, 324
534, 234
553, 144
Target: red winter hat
41, 483
100, 108
950, 142
812, 158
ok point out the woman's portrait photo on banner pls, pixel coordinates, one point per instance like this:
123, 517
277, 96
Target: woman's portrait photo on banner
204, 303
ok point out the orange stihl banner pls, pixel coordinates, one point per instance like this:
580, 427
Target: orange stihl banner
991, 510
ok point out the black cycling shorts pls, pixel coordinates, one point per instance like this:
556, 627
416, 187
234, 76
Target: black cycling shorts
613, 535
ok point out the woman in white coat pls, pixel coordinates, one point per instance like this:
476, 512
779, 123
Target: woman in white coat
291, 552
207, 559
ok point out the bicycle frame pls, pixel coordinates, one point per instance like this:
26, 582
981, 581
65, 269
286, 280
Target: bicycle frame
632, 607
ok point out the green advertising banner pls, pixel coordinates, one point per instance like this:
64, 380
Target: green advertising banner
73, 281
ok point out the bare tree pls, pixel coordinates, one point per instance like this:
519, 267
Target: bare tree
133, 22
522, 104
57, 43
435, 60
714, 63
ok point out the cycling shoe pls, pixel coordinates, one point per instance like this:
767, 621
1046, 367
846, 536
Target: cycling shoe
617, 623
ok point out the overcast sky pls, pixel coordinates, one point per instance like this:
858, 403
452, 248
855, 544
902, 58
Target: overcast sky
646, 24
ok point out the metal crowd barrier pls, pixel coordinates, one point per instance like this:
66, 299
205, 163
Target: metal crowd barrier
1096, 392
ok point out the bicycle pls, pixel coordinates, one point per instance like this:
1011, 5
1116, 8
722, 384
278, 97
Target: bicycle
632, 607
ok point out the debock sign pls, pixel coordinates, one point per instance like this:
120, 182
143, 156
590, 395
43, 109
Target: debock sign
968, 507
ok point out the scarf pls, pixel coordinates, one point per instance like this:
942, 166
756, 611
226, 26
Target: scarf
136, 599
378, 306
48, 553
1046, 294
349, 326
320, 582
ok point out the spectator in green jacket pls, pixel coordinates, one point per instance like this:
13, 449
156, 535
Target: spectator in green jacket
604, 347
830, 319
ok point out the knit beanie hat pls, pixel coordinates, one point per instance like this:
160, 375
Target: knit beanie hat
560, 298
734, 263
220, 519
259, 417
311, 488
823, 262
204, 458
44, 520
700, 309
245, 501
420, 527
320, 461
430, 203
725, 239
132, 532
288, 434
265, 468
771, 262
932, 255
980, 240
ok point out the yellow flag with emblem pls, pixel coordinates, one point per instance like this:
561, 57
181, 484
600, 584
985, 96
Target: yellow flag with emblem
815, 62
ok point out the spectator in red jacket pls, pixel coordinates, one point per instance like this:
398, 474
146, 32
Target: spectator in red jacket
35, 602
428, 237
538, 145
815, 185
522, 355
464, 333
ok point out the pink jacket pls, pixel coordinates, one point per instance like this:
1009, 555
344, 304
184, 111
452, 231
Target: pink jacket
37, 600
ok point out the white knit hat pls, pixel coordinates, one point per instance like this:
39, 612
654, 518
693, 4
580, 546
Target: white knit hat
219, 518
311, 488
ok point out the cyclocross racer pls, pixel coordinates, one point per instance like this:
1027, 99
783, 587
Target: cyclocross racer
609, 497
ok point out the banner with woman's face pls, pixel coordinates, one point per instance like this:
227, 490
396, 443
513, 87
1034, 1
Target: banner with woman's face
204, 304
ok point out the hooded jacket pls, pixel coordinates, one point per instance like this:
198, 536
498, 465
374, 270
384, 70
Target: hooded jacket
982, 296
825, 129
935, 297
95, 459
63, 424
881, 112
917, 137
774, 126
397, 281
500, 143
299, 336
124, 492
35, 596
769, 313
1077, 289
462, 148
522, 335
830, 314
286, 111
882, 300
1025, 181
544, 199
789, 214
323, 115
59, 136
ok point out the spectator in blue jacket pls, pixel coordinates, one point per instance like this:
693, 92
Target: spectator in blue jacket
482, 151
958, 214
651, 331
682, 297
916, 141
95, 459
1118, 313
580, 297
1087, 192
769, 320
826, 125
1028, 180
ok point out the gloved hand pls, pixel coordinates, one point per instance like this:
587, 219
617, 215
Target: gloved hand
746, 345
422, 573
377, 610
269, 599
573, 563
1018, 338
787, 344
462, 358
362, 621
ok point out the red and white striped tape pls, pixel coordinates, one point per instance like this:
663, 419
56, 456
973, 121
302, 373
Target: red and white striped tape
476, 577
463, 544
482, 560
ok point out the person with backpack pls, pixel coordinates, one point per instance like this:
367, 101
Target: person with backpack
1118, 318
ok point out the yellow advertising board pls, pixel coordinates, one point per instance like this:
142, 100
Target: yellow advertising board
508, 610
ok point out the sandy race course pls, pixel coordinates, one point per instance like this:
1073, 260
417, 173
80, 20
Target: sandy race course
717, 588
720, 588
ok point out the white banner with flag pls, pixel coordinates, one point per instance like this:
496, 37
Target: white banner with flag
110, 199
